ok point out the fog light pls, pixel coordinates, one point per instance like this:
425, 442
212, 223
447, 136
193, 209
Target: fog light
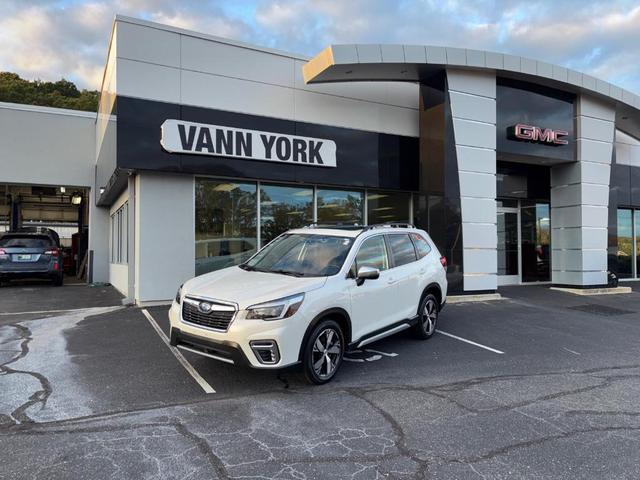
266, 351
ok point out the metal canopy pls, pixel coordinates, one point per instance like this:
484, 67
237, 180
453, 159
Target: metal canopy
416, 63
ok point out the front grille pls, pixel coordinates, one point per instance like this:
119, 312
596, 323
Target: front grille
216, 319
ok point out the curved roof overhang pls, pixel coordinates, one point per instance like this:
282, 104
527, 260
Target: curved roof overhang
416, 63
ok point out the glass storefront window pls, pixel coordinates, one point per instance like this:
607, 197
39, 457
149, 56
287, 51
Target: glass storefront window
283, 208
387, 207
536, 242
336, 207
637, 221
225, 223
625, 244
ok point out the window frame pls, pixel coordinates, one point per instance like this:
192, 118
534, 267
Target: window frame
353, 270
390, 250
415, 246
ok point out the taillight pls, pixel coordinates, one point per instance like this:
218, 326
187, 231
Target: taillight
2, 252
54, 251
443, 261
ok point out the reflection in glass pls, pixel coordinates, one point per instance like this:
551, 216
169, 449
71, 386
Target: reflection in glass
536, 241
225, 224
625, 244
637, 220
387, 207
507, 243
283, 208
339, 207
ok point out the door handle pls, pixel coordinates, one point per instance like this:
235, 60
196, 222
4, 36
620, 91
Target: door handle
391, 281
422, 271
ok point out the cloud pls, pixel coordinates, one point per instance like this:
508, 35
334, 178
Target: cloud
54, 38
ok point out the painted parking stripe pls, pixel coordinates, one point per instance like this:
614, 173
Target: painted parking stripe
470, 342
183, 361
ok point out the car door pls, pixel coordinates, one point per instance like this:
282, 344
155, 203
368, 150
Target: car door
406, 274
373, 304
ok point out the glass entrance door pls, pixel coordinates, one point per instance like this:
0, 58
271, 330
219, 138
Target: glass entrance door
524, 242
508, 246
535, 241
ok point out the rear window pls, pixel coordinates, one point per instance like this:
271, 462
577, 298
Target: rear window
25, 241
401, 249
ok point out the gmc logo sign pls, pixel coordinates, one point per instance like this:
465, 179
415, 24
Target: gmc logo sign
530, 133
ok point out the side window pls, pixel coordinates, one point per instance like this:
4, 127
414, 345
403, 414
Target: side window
401, 249
422, 246
373, 253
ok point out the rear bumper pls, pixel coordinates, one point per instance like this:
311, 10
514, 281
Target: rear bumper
41, 273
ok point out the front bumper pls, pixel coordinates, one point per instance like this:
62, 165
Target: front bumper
255, 343
223, 351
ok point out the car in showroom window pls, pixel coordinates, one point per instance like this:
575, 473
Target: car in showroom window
310, 296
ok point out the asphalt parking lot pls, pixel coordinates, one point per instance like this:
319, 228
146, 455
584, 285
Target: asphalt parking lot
542, 384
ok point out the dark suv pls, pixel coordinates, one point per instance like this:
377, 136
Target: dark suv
30, 255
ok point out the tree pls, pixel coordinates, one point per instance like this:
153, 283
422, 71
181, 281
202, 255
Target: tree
60, 94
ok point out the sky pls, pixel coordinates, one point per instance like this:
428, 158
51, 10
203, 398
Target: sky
52, 39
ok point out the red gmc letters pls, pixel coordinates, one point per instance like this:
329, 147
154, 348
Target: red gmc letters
529, 133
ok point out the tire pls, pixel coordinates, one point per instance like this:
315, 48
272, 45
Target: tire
58, 280
320, 367
428, 317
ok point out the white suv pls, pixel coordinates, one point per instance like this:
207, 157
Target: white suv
311, 295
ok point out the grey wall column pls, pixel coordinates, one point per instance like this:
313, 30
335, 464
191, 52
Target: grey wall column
580, 197
473, 108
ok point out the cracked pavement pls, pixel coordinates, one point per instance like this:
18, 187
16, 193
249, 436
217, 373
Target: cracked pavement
94, 393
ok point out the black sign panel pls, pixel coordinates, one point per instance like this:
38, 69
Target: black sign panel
362, 159
534, 123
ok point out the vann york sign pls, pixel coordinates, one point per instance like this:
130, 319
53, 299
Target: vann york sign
202, 139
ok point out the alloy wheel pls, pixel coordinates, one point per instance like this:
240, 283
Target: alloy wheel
326, 353
429, 316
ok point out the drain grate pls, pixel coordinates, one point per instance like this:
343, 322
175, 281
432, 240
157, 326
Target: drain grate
601, 310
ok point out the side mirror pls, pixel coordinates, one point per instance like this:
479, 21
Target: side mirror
367, 273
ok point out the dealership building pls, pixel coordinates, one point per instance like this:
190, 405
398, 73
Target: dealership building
203, 149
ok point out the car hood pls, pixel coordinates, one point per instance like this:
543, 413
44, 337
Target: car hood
249, 288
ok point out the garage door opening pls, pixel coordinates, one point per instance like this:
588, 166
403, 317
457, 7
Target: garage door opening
61, 208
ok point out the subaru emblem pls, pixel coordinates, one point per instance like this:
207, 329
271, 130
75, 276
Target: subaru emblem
204, 307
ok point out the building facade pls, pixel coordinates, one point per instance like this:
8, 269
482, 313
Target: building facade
206, 149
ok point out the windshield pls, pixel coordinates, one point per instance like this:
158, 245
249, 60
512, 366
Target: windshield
302, 255
25, 241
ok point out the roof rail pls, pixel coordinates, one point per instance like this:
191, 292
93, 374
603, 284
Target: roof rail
389, 225
337, 227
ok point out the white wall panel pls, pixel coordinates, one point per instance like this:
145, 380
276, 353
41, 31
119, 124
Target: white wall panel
474, 134
165, 254
145, 80
147, 44
477, 83
479, 235
473, 107
42, 145
481, 185
480, 261
233, 61
223, 93
487, 281
472, 159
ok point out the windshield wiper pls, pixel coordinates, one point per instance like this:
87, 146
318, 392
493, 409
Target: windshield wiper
287, 272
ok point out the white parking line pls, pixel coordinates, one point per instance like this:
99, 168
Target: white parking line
37, 312
183, 361
572, 351
470, 342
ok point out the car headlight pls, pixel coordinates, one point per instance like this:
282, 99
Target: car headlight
179, 295
276, 309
